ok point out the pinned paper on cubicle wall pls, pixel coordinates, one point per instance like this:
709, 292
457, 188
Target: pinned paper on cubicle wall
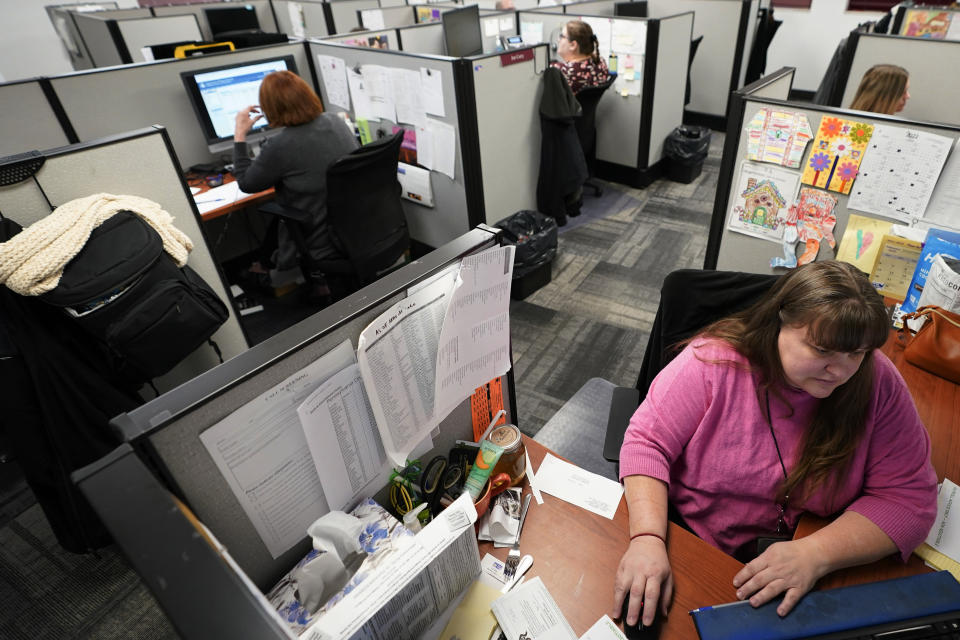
415, 184
836, 154
507, 23
298, 26
431, 88
861, 241
811, 221
778, 136
926, 24
628, 36
763, 190
371, 19
531, 32
333, 72
945, 201
436, 147
406, 96
898, 175
629, 79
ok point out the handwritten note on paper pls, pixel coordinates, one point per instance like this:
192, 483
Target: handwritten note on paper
579, 486
431, 87
333, 72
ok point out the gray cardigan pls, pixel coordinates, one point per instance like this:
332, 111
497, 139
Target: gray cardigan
295, 162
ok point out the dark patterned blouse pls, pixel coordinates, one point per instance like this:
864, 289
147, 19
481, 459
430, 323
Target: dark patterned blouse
584, 73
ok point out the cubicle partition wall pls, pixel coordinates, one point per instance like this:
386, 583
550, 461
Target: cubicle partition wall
263, 8
102, 102
139, 163
422, 38
301, 18
776, 85
720, 65
118, 39
926, 21
204, 596
495, 27
735, 250
382, 18
343, 15
62, 17
385, 38
645, 104
933, 96
32, 118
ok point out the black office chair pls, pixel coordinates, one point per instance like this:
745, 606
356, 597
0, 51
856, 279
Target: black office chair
586, 126
365, 217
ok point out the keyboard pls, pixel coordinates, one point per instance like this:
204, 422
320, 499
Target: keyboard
940, 627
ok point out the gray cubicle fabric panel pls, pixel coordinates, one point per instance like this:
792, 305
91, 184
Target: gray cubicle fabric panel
138, 165
739, 252
933, 96
95, 32
102, 103
556, 9
124, 14
393, 3
28, 122
718, 21
673, 53
391, 35
447, 219
590, 8
262, 7
389, 17
141, 32
314, 20
779, 89
508, 127
345, 13
66, 28
423, 38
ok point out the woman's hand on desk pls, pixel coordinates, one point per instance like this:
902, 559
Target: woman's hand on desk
791, 568
244, 121
646, 578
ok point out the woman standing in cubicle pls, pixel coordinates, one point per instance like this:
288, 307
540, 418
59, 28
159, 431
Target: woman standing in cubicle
580, 61
885, 88
295, 161
784, 408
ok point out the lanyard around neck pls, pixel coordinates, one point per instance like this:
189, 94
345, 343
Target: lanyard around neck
781, 523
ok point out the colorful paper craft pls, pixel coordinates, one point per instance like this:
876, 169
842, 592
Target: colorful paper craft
861, 241
926, 24
762, 191
778, 137
836, 153
809, 220
898, 175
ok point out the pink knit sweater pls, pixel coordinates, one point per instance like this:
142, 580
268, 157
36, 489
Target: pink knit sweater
702, 431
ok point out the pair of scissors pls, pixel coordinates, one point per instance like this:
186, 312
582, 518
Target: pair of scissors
438, 478
403, 494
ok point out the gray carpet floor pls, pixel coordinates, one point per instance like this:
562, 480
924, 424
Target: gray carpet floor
591, 321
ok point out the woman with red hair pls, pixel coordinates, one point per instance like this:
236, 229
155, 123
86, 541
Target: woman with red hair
295, 161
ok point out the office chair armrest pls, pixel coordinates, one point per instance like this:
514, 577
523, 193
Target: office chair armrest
289, 213
623, 404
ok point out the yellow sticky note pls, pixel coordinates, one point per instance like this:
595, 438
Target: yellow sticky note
624, 92
364, 128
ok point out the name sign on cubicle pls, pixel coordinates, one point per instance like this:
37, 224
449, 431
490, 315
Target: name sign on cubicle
513, 57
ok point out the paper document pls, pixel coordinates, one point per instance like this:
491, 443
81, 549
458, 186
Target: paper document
297, 25
475, 340
371, 19
343, 439
431, 87
362, 105
333, 72
531, 32
530, 612
491, 26
441, 138
410, 590
397, 355
378, 82
604, 629
578, 486
262, 453
945, 534
415, 184
406, 95
945, 201
219, 197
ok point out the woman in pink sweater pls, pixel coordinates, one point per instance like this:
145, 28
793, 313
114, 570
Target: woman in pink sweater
783, 408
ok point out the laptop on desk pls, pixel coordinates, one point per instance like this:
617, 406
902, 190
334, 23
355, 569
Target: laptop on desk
915, 607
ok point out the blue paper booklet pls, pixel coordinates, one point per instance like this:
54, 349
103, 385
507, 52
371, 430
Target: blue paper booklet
939, 241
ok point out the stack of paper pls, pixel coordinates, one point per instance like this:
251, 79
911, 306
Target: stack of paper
942, 548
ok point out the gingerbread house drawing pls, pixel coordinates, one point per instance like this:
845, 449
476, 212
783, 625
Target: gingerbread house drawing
762, 202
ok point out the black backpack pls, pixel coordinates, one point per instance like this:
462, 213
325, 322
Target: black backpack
130, 295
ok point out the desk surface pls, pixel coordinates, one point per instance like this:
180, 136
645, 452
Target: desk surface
578, 561
228, 207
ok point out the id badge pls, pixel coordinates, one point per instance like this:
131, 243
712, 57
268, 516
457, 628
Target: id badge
765, 541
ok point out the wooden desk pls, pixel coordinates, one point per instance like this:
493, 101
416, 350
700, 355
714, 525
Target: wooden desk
938, 402
576, 554
229, 207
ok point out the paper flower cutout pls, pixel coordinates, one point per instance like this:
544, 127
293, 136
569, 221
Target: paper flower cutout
819, 161
830, 127
841, 146
847, 171
860, 133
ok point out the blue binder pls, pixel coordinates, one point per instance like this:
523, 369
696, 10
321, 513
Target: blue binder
821, 612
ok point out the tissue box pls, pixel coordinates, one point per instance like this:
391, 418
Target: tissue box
382, 536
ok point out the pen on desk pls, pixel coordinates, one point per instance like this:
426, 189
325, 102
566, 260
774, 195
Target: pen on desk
209, 201
720, 606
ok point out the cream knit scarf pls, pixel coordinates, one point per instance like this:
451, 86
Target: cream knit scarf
32, 262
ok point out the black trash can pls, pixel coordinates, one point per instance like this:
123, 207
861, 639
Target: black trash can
684, 152
535, 236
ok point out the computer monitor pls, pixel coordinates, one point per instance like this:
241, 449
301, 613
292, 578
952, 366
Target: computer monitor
461, 31
631, 9
232, 19
218, 93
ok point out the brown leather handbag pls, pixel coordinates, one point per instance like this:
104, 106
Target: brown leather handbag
936, 346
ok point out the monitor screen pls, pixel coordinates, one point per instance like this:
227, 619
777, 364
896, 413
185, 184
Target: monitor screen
232, 19
631, 9
217, 94
461, 31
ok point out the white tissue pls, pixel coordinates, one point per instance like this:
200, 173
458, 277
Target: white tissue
336, 532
